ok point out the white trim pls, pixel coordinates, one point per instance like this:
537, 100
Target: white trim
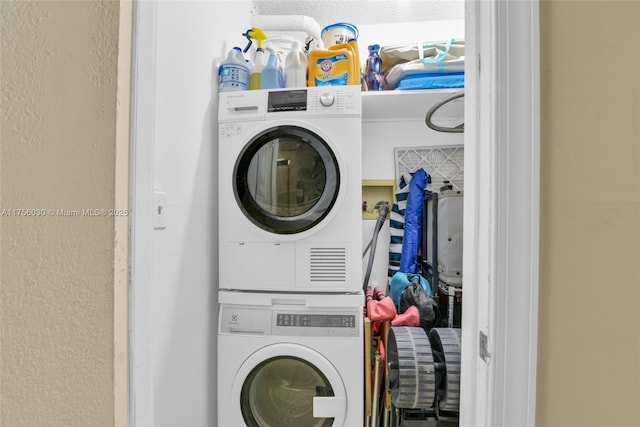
501, 213
474, 396
502, 145
518, 148
121, 309
142, 179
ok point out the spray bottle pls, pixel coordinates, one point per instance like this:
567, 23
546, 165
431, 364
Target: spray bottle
272, 74
255, 73
233, 73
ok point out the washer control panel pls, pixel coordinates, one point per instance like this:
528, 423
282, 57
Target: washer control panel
316, 320
297, 323
290, 322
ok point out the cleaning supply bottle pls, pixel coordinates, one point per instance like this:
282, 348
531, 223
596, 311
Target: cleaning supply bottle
295, 67
373, 69
334, 66
353, 43
354, 71
255, 74
233, 73
272, 75
255, 70
352, 46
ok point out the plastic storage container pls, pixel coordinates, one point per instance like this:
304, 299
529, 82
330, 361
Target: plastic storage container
233, 73
338, 33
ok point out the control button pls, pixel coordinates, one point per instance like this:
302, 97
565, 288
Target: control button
326, 99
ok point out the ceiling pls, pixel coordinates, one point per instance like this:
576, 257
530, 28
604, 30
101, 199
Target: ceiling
360, 12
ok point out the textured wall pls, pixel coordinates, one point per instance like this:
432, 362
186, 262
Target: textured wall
59, 75
589, 337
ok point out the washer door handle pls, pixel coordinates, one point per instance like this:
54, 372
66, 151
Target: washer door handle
329, 407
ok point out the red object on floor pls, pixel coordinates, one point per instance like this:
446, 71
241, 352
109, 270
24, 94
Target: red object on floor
381, 310
411, 317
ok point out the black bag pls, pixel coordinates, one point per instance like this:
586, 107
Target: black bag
414, 294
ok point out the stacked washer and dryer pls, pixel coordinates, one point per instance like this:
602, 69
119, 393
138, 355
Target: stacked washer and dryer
290, 335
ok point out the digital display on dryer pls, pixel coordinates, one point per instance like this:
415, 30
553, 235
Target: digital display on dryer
316, 320
287, 100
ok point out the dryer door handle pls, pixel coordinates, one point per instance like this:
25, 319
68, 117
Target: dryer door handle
246, 108
328, 407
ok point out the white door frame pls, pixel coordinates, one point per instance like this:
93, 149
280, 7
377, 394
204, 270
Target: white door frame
143, 128
501, 213
502, 146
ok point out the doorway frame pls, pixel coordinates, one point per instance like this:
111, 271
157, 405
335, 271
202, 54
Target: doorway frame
501, 255
502, 145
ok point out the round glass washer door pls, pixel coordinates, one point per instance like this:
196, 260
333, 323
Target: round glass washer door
286, 180
280, 391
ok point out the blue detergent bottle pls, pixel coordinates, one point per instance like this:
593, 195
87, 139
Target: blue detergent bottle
272, 75
233, 72
373, 70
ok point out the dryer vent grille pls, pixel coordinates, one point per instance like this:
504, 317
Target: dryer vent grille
328, 264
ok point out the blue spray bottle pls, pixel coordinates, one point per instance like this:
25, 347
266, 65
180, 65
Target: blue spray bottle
272, 75
373, 70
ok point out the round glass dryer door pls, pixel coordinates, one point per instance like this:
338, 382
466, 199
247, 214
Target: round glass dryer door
286, 180
280, 391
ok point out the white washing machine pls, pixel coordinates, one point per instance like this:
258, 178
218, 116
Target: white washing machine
290, 191
289, 360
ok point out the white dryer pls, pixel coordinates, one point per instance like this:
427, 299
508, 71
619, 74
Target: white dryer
290, 189
289, 360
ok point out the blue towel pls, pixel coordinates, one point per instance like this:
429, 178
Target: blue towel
431, 81
413, 223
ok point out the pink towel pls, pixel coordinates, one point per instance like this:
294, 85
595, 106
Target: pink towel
381, 310
411, 317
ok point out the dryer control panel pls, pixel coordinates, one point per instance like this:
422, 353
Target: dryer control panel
287, 100
257, 105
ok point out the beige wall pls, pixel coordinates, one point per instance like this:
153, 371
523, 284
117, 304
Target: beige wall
62, 349
589, 326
